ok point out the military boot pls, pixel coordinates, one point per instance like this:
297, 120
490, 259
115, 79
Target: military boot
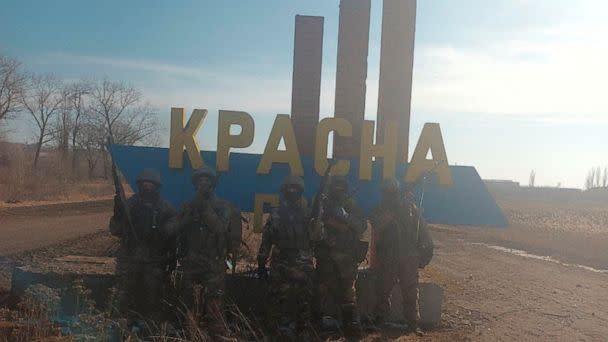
350, 321
413, 328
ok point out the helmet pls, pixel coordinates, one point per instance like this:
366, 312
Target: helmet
293, 180
149, 175
390, 185
205, 171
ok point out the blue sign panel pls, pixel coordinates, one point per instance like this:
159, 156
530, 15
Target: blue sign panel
466, 202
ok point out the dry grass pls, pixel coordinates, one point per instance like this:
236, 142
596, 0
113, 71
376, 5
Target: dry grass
37, 318
32, 321
52, 180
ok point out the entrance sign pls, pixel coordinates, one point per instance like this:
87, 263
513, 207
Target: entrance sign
453, 194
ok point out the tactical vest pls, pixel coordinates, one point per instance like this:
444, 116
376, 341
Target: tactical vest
399, 238
290, 231
148, 219
344, 242
202, 245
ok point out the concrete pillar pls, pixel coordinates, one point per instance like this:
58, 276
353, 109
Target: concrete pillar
351, 73
396, 64
306, 80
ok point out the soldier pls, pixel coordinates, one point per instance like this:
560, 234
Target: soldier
339, 255
204, 234
403, 245
288, 232
145, 250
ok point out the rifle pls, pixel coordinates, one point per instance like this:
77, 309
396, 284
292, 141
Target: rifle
422, 181
120, 193
319, 203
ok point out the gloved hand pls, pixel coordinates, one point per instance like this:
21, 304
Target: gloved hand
340, 214
262, 272
118, 207
425, 258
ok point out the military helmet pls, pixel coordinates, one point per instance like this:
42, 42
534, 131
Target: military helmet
205, 171
390, 185
149, 175
293, 180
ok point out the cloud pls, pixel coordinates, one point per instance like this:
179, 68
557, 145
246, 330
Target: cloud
555, 73
190, 86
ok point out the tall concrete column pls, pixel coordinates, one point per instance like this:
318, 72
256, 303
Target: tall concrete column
396, 65
351, 73
306, 80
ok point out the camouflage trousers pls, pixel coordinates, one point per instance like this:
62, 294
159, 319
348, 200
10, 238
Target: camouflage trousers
203, 294
140, 289
290, 293
335, 281
405, 274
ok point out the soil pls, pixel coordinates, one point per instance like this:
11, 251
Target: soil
490, 294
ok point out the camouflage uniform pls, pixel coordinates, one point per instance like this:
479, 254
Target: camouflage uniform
288, 233
339, 255
204, 234
403, 244
142, 264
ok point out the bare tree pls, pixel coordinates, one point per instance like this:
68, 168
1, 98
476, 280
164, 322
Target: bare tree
120, 112
589, 179
11, 85
90, 139
112, 102
42, 99
62, 127
80, 91
605, 177
141, 126
532, 179
69, 119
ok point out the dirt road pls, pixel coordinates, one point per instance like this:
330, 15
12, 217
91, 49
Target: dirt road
27, 228
506, 297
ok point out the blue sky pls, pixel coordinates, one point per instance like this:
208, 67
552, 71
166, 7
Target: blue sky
516, 84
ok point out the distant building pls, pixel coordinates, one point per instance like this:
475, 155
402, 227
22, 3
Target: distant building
501, 185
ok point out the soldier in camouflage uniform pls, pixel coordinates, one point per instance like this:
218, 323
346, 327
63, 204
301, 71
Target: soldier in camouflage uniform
145, 253
403, 245
289, 232
204, 233
339, 255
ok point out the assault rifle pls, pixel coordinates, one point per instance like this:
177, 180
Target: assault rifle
422, 182
120, 194
318, 208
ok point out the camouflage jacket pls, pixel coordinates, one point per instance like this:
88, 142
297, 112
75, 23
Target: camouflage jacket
287, 233
152, 222
401, 232
342, 236
204, 234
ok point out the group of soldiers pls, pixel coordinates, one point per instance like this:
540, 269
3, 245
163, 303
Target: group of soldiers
314, 255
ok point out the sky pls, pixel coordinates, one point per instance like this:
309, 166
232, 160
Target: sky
517, 85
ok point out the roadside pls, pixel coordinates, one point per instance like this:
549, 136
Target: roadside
513, 298
573, 233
